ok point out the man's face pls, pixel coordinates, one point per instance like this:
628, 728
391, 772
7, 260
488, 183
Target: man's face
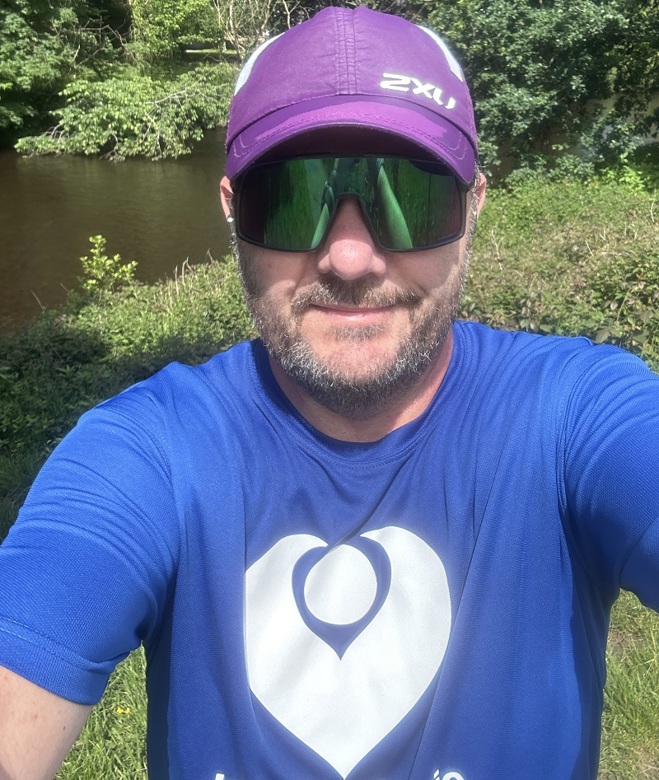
353, 325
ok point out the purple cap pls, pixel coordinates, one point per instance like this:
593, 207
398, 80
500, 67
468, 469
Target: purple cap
353, 68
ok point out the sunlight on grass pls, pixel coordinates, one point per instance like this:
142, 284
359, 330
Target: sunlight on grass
112, 744
630, 743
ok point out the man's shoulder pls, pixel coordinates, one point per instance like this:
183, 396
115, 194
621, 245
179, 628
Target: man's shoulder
489, 337
184, 395
231, 368
518, 361
234, 365
525, 346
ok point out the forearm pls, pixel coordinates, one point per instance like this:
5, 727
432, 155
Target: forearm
37, 728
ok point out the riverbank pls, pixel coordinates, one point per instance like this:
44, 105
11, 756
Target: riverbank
550, 257
156, 212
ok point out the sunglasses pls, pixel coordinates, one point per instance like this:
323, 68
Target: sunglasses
408, 205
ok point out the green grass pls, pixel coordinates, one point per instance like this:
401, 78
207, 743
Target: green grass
111, 746
551, 257
631, 717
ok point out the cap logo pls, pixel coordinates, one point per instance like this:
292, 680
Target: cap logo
400, 83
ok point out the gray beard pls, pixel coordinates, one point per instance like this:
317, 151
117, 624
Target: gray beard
385, 383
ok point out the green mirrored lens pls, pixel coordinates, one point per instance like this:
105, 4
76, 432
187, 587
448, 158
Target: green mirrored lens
408, 204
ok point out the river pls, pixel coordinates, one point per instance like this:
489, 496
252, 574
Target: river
158, 213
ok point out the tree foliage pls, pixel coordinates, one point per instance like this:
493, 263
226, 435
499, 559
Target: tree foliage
635, 77
42, 45
535, 66
133, 114
540, 71
162, 28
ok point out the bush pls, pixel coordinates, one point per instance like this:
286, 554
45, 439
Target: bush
135, 114
102, 274
535, 67
570, 258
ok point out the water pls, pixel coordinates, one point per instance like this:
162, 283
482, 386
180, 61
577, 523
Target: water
158, 213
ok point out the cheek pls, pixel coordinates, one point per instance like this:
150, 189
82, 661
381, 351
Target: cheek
269, 298
274, 275
429, 276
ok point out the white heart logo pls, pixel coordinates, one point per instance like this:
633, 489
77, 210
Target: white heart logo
343, 706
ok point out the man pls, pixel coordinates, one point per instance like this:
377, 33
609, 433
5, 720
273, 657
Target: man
378, 544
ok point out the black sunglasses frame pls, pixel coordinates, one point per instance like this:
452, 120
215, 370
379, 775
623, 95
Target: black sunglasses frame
239, 203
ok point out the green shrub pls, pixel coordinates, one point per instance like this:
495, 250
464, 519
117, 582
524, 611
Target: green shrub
536, 68
570, 258
103, 274
135, 114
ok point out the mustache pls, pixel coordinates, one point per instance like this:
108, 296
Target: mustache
333, 291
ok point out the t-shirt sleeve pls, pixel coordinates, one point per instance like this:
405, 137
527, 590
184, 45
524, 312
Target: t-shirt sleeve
86, 569
611, 471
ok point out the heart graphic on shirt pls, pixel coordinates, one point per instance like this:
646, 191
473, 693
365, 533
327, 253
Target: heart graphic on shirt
343, 705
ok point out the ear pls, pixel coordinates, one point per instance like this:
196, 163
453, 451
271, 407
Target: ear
226, 195
478, 191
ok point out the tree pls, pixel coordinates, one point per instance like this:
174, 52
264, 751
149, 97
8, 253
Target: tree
534, 66
247, 23
635, 80
41, 45
162, 28
133, 114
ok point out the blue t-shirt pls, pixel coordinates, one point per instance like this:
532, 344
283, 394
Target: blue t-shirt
431, 606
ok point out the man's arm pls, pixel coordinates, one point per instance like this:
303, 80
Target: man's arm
37, 728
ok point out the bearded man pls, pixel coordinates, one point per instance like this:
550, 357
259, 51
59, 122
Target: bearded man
376, 543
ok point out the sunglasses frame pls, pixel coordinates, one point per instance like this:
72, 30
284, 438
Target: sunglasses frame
238, 201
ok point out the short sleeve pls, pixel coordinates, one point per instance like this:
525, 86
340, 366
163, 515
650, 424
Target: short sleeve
611, 463
86, 569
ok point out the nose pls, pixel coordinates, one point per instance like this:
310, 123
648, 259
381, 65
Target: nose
348, 250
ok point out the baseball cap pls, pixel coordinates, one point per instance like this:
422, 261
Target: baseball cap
353, 68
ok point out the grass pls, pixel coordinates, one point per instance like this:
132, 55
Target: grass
551, 257
631, 716
112, 744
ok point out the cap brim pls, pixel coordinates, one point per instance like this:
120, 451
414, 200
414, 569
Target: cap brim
399, 118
